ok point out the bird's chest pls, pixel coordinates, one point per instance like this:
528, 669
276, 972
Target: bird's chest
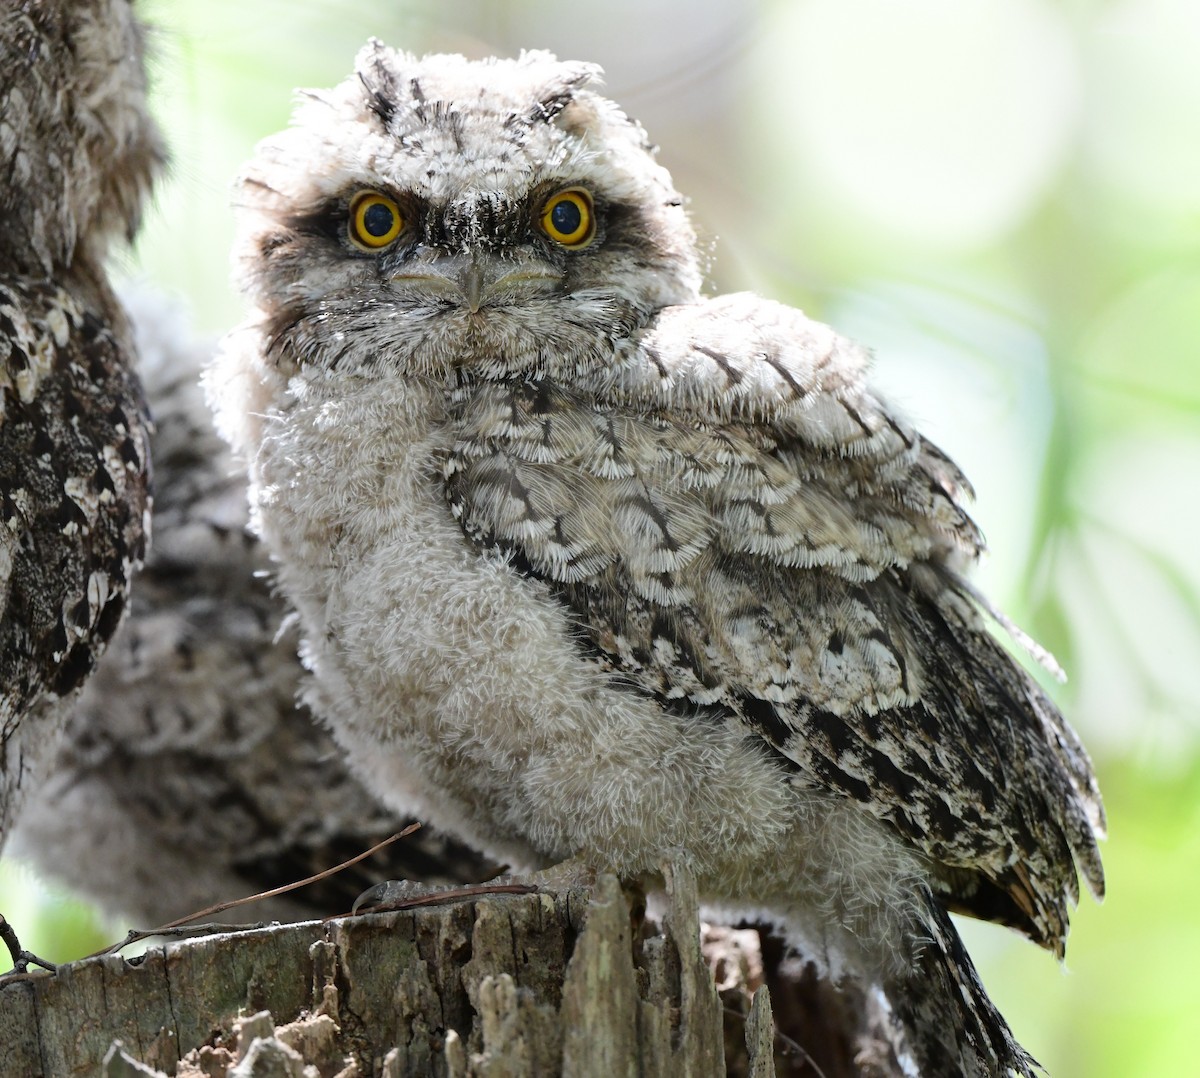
349, 487
351, 491
446, 672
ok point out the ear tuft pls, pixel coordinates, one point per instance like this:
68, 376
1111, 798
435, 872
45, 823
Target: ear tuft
562, 82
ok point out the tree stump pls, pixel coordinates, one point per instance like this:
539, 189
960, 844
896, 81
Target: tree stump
497, 986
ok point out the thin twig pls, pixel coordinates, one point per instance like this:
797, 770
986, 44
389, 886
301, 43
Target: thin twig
21, 958
448, 894
168, 929
788, 1045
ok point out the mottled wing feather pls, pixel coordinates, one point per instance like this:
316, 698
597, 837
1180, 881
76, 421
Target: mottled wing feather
739, 522
740, 358
73, 496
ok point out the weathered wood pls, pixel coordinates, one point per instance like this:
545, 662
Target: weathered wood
760, 1036
502, 986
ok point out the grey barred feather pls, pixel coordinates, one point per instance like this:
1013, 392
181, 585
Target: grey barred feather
78, 146
590, 566
79, 152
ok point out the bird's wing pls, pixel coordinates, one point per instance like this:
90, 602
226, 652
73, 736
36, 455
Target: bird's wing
74, 479
739, 523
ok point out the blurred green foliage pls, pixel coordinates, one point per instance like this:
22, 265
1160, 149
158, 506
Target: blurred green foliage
1003, 199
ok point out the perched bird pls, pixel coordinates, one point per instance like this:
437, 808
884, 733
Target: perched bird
589, 566
188, 775
79, 151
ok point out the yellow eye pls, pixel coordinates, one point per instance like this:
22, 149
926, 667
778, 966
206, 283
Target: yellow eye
567, 217
375, 220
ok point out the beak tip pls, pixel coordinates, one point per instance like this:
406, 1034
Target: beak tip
470, 280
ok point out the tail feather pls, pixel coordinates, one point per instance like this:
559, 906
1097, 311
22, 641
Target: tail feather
953, 1029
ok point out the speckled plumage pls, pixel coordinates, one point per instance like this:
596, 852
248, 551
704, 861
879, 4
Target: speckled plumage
78, 152
188, 775
589, 565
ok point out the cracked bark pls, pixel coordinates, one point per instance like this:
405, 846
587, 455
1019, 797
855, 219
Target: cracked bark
498, 986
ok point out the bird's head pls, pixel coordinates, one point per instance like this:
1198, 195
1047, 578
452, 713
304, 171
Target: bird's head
438, 215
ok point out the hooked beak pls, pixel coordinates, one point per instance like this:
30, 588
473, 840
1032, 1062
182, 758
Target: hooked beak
475, 280
471, 283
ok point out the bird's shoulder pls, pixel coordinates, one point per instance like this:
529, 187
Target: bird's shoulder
736, 423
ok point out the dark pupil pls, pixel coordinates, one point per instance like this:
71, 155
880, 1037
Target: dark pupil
566, 217
378, 220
